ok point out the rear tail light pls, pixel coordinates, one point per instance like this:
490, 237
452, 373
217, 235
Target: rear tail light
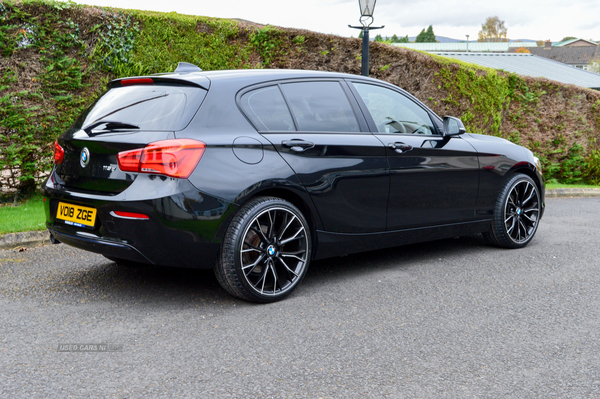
137, 81
174, 158
59, 153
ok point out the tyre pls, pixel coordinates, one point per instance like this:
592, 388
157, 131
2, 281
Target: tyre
266, 251
516, 213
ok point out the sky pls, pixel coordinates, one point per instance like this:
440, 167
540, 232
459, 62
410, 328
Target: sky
529, 19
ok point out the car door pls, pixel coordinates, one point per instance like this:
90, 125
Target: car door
434, 179
315, 128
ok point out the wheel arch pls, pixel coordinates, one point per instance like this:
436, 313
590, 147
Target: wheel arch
528, 169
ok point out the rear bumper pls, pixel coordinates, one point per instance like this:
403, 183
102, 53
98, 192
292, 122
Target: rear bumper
93, 243
184, 226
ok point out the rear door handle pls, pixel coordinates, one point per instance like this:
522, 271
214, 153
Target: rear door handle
298, 145
400, 147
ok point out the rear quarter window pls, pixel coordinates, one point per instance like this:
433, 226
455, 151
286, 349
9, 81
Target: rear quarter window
267, 109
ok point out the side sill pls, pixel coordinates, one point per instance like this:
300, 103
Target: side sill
340, 244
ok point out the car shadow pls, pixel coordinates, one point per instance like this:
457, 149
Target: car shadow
106, 281
389, 261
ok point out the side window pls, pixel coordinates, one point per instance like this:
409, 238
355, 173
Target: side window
393, 112
267, 110
320, 107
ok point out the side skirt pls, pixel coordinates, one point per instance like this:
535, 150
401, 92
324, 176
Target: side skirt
340, 244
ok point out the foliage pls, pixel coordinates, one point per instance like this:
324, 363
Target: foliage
33, 113
564, 39
426, 36
396, 39
492, 30
166, 39
488, 96
591, 173
116, 42
594, 66
391, 40
522, 50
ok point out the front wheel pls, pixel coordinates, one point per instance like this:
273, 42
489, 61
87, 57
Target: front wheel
266, 251
517, 213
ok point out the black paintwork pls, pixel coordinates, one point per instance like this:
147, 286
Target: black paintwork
359, 191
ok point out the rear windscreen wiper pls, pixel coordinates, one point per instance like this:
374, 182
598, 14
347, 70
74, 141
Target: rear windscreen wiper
110, 125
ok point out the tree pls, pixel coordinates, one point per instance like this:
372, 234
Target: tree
522, 50
493, 30
426, 36
396, 39
378, 38
564, 39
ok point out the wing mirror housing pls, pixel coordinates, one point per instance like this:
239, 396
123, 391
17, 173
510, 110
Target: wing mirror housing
453, 126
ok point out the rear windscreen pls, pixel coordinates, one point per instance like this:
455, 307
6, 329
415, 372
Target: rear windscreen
158, 107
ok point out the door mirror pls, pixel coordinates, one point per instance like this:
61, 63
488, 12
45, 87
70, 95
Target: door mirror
453, 126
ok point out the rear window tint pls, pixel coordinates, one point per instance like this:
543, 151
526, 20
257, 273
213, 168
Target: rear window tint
267, 110
153, 108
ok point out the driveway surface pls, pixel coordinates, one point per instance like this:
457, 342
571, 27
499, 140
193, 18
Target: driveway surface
453, 318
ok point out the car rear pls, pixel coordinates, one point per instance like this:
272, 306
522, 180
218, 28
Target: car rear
120, 184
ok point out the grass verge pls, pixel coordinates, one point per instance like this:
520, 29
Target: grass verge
550, 186
25, 216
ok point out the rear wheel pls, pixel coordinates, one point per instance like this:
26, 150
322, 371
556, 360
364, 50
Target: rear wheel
517, 213
266, 251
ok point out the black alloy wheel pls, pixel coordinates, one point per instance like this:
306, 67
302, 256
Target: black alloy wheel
517, 213
266, 251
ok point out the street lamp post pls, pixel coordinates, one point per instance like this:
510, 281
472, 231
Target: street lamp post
467, 43
366, 19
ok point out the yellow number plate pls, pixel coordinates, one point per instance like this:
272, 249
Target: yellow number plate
76, 215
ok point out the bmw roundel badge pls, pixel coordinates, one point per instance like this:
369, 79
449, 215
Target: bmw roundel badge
84, 158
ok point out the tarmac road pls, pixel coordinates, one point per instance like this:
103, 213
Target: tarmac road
452, 318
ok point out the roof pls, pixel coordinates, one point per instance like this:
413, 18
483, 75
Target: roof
462, 46
204, 78
531, 65
568, 42
578, 55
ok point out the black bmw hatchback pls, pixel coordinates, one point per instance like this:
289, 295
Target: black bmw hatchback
254, 173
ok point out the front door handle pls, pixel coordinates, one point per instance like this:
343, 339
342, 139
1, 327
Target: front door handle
400, 147
298, 145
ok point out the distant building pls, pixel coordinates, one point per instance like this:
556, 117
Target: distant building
530, 65
578, 53
575, 43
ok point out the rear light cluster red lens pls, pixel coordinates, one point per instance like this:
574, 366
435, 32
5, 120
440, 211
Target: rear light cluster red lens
59, 153
174, 158
138, 81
